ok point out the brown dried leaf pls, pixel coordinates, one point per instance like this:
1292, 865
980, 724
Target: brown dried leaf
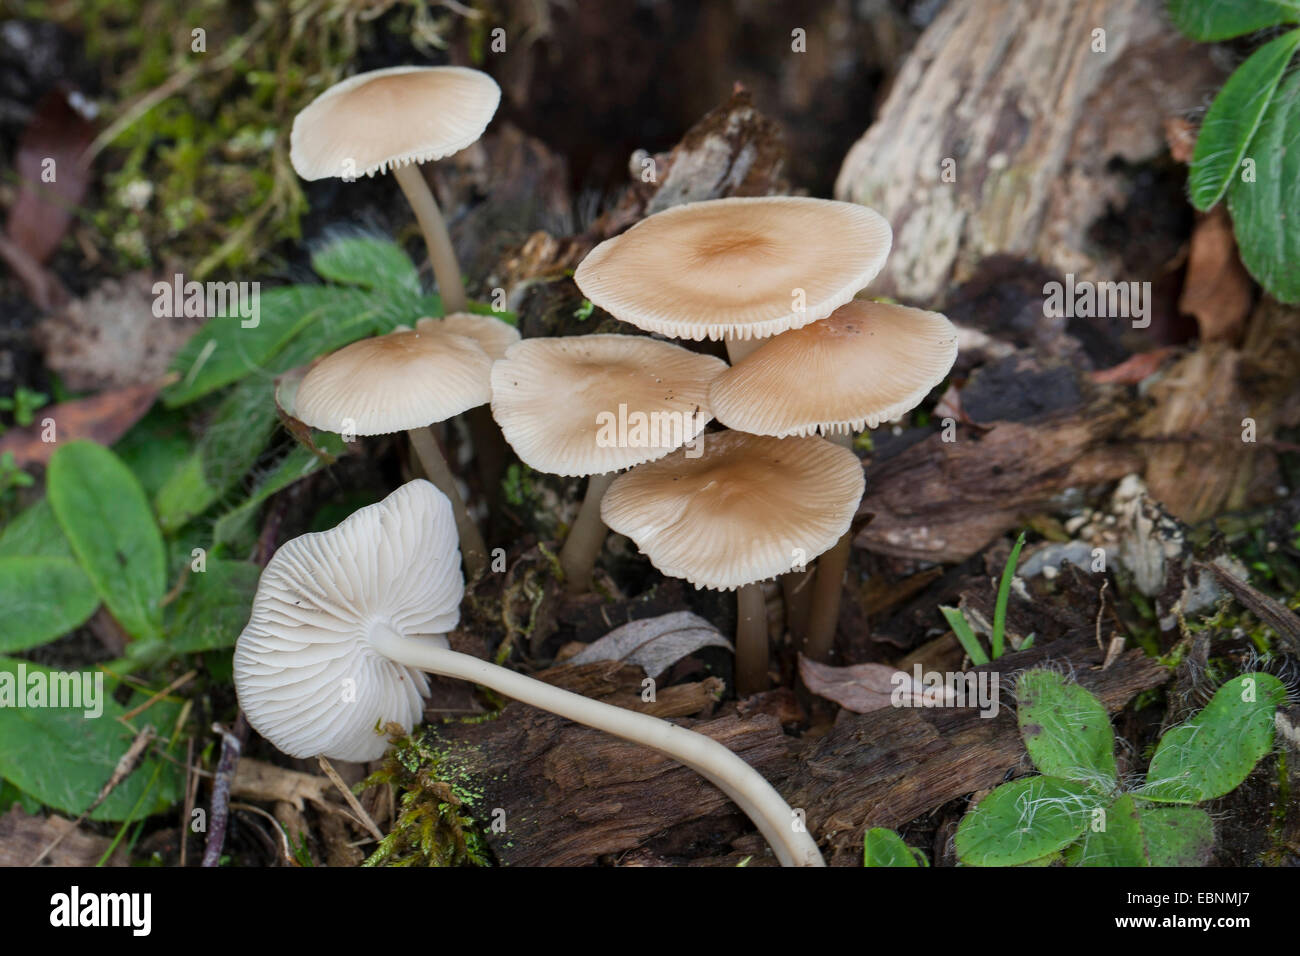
654, 643
102, 418
268, 783
22, 837
1217, 289
860, 688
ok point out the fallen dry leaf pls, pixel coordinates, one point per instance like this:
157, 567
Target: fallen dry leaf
265, 782
1133, 369
102, 418
52, 176
1181, 137
654, 643
1217, 289
22, 837
860, 688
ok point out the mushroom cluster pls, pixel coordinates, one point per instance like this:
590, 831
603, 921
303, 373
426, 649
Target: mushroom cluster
775, 278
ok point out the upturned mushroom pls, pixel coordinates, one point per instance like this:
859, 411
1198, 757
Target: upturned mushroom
591, 405
345, 622
749, 508
408, 380
868, 363
395, 119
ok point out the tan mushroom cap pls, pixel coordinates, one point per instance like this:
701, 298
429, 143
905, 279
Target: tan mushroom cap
734, 268
591, 404
869, 362
406, 379
406, 114
749, 508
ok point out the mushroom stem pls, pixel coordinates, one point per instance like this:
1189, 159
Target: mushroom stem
828, 586
737, 349
751, 640
436, 238
586, 537
797, 589
792, 844
435, 467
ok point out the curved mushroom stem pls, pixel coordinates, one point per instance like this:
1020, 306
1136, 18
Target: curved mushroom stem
793, 845
828, 586
436, 238
586, 537
751, 640
435, 466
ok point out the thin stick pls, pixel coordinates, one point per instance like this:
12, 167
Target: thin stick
751, 641
232, 744
348, 795
472, 548
586, 537
141, 708
442, 255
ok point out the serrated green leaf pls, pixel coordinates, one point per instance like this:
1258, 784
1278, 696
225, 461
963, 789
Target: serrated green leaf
1177, 836
1066, 730
105, 515
1266, 212
883, 847
42, 598
1024, 820
366, 261
1112, 838
1209, 20
1214, 751
213, 606
1234, 118
87, 748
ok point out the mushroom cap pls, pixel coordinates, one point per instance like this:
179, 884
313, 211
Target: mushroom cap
749, 508
404, 114
305, 672
591, 404
732, 268
408, 378
869, 362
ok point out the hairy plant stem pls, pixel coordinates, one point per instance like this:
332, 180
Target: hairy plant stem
435, 467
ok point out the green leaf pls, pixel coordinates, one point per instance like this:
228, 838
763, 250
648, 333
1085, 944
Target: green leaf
1004, 593
105, 515
1024, 820
1208, 20
1066, 730
223, 351
63, 758
1214, 751
1233, 119
367, 261
881, 846
1178, 836
1112, 839
9, 795
298, 464
35, 533
213, 606
965, 635
1266, 212
155, 446
43, 598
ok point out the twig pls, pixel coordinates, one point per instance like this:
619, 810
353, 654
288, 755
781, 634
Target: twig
231, 745
191, 788
284, 839
353, 802
141, 708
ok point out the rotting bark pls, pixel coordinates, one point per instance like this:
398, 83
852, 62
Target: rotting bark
1028, 121
573, 795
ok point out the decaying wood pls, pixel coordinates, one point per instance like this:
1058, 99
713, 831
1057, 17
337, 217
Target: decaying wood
889, 767
945, 501
620, 684
572, 795
1031, 118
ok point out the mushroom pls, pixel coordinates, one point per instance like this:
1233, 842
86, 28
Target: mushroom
345, 621
590, 405
736, 269
408, 380
867, 363
751, 507
395, 119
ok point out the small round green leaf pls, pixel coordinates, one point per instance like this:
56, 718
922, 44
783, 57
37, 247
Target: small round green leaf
1024, 820
1066, 730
